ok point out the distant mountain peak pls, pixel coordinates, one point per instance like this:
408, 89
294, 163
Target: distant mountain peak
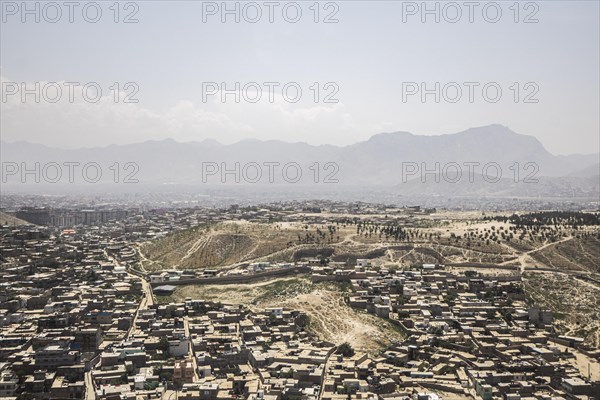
493, 129
378, 161
387, 137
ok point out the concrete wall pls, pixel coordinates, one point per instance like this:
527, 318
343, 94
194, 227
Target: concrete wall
237, 278
483, 265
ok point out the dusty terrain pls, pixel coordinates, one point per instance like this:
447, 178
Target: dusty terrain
331, 319
234, 242
575, 303
560, 242
574, 254
6, 219
499, 244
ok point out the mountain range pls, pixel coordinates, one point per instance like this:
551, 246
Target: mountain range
394, 160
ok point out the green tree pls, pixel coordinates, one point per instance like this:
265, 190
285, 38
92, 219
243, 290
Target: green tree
303, 320
345, 349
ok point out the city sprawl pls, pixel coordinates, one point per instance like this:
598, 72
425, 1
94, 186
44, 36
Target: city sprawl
299, 300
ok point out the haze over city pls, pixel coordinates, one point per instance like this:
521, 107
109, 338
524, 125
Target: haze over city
299, 200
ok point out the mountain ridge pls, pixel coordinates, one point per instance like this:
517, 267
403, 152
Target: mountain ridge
492, 129
380, 160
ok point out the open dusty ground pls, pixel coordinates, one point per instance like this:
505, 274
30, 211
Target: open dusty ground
587, 366
6, 219
234, 242
568, 243
438, 238
331, 319
575, 303
335, 321
574, 254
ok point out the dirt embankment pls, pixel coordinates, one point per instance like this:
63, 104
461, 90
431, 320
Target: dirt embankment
330, 317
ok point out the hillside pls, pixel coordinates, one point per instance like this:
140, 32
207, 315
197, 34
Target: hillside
567, 241
230, 243
6, 219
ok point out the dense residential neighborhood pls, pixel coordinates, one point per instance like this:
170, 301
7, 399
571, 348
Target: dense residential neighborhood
78, 320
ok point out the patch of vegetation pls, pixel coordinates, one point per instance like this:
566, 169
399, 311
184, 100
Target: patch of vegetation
284, 289
345, 349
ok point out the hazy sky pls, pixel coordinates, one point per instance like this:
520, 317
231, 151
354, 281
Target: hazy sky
371, 55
